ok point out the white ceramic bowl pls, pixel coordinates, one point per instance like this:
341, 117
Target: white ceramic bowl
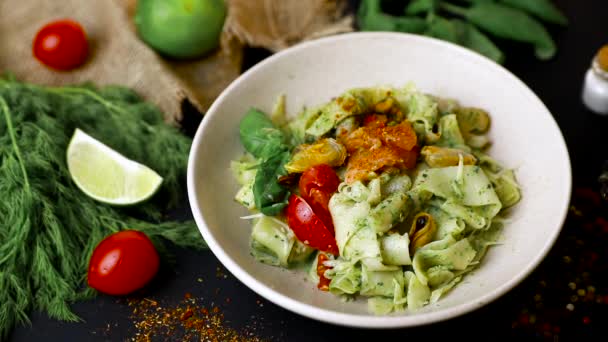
524, 134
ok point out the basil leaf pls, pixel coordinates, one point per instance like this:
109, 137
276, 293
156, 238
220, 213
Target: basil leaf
270, 196
259, 136
264, 141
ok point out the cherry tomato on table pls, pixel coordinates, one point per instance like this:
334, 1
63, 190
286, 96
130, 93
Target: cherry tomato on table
61, 45
317, 185
122, 263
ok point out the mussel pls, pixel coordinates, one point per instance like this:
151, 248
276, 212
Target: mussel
472, 121
422, 231
436, 156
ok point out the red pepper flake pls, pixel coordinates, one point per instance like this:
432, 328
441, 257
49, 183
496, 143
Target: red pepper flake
586, 320
187, 314
152, 302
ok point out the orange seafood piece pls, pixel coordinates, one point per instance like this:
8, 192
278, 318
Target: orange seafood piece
377, 146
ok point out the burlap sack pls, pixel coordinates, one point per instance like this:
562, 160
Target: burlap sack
278, 24
117, 56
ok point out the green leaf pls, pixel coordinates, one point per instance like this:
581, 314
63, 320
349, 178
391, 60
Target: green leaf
478, 1
543, 9
264, 141
270, 196
259, 136
371, 18
450, 30
410, 25
478, 41
509, 23
416, 7
460, 32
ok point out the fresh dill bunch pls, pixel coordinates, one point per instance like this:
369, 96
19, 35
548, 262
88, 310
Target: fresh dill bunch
48, 227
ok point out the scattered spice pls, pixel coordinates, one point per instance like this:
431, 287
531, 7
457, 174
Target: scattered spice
579, 261
186, 321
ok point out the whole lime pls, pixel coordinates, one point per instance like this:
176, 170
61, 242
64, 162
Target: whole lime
181, 28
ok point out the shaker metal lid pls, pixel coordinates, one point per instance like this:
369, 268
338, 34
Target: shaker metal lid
602, 58
600, 62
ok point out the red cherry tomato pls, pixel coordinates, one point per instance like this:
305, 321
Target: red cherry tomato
61, 45
308, 227
122, 263
320, 176
319, 202
317, 185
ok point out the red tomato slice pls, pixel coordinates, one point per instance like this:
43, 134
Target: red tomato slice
308, 227
319, 202
61, 45
122, 263
322, 177
317, 185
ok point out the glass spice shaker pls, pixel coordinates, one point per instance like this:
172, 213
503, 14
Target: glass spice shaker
595, 88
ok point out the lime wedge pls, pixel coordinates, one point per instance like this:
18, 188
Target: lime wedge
106, 175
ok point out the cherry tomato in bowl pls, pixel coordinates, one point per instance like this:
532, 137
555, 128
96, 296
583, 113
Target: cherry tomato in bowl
122, 263
308, 227
317, 184
320, 176
61, 45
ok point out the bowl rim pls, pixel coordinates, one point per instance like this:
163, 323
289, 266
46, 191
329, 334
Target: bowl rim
357, 320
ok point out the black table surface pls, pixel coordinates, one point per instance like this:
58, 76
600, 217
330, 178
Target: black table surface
536, 309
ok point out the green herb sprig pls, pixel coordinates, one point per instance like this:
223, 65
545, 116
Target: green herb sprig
48, 227
468, 25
